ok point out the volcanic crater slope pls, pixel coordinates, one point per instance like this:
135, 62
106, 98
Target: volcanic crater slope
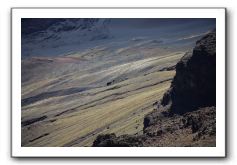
85, 77
69, 100
186, 115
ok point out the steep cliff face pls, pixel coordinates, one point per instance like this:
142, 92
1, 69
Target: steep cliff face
194, 84
186, 116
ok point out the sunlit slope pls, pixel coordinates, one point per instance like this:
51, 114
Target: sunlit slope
69, 100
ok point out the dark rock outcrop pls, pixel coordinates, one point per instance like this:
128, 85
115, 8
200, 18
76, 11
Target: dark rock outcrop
111, 140
186, 115
196, 128
194, 84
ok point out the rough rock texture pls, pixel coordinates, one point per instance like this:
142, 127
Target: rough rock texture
197, 128
186, 115
194, 84
110, 140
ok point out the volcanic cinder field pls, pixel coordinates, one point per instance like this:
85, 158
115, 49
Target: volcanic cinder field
105, 85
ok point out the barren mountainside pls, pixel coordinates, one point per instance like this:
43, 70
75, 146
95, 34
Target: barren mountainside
81, 78
186, 115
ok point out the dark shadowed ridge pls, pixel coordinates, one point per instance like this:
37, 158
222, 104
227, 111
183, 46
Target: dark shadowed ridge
194, 84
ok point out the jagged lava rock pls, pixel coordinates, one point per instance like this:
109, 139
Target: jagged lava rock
194, 84
111, 140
